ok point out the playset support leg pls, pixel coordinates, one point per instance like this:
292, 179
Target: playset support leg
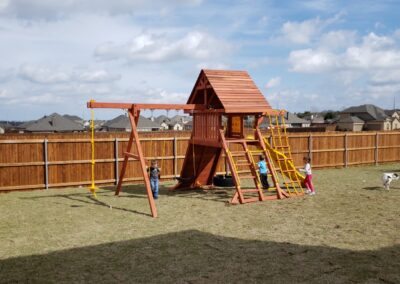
135, 136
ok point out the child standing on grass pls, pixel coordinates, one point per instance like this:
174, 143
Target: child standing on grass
308, 180
262, 166
154, 172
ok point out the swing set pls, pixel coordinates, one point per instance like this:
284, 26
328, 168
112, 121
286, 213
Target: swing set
234, 95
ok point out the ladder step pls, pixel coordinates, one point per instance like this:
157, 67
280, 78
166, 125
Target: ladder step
256, 151
238, 153
242, 164
253, 177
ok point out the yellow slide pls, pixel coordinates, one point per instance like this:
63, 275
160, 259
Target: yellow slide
287, 165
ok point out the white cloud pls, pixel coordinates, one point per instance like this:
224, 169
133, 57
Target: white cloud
337, 39
152, 47
43, 75
312, 61
211, 65
4, 4
51, 10
374, 52
386, 77
374, 41
4, 94
48, 75
159, 95
97, 76
301, 32
273, 82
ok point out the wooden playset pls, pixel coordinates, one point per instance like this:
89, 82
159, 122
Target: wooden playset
218, 96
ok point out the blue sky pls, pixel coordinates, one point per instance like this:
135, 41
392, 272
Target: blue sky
303, 55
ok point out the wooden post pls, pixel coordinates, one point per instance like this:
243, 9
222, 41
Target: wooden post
175, 149
46, 164
310, 148
345, 150
376, 148
116, 167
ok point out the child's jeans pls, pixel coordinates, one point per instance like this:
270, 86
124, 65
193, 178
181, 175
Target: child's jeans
154, 187
308, 182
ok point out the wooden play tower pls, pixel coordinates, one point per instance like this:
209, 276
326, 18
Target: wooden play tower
217, 94
233, 95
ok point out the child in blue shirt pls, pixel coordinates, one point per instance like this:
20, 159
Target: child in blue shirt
154, 172
262, 167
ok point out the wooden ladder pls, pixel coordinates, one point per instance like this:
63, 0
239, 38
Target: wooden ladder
244, 158
280, 142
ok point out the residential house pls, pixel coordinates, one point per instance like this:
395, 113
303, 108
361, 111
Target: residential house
163, 121
51, 123
395, 116
374, 117
350, 123
292, 120
122, 123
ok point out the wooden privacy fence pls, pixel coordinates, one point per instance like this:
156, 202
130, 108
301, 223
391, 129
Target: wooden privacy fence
27, 162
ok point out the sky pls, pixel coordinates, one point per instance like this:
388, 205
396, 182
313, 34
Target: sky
310, 55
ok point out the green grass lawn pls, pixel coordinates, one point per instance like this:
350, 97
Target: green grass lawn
348, 232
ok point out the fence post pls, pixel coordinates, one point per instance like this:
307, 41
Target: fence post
345, 150
46, 164
376, 148
116, 160
175, 156
310, 146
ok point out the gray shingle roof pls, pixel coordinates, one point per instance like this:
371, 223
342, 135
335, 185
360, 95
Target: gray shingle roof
293, 118
367, 112
52, 123
122, 122
350, 119
160, 119
390, 112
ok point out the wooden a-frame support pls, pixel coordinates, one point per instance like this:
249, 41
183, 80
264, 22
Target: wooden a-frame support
134, 119
134, 113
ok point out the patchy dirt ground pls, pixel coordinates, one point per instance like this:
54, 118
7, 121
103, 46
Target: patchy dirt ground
348, 232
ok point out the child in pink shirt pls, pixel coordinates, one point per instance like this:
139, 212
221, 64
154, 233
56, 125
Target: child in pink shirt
308, 180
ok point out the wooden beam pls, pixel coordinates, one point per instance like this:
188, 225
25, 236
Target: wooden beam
93, 104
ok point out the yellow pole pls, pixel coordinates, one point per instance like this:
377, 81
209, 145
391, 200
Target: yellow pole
93, 187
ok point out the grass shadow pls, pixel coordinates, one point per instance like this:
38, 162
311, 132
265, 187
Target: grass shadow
85, 198
197, 257
373, 188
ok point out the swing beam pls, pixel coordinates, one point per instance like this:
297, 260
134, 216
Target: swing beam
134, 113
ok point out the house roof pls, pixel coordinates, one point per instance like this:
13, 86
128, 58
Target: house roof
367, 112
390, 112
233, 91
350, 119
52, 123
122, 122
160, 119
73, 117
293, 118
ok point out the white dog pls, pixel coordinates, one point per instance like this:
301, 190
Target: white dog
387, 178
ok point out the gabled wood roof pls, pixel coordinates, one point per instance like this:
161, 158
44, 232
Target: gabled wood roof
235, 92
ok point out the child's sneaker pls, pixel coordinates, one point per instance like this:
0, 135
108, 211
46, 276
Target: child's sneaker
308, 191
312, 193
